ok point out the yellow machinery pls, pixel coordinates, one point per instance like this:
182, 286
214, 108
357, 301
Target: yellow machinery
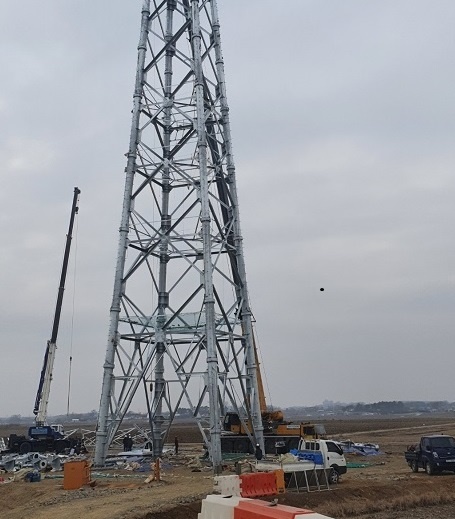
277, 431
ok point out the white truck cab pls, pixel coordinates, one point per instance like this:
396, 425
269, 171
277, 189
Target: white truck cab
57, 427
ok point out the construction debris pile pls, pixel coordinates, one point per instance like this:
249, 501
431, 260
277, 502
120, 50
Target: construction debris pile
32, 460
138, 462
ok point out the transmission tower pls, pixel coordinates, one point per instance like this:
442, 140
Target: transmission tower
180, 331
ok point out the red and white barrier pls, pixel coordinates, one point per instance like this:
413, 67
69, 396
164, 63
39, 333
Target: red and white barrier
235, 507
219, 507
254, 484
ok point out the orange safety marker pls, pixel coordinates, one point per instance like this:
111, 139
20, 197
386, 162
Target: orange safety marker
157, 470
280, 484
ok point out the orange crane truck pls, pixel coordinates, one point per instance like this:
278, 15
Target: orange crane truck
279, 435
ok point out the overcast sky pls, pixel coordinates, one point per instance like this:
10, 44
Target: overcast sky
343, 120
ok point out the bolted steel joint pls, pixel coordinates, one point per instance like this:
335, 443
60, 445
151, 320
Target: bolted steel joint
163, 299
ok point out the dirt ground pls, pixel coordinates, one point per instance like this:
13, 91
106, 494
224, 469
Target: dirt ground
385, 488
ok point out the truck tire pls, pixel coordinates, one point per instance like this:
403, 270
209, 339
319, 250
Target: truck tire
414, 466
429, 468
334, 476
25, 448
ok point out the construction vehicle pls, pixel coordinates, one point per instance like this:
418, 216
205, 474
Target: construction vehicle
279, 435
311, 455
43, 437
47, 438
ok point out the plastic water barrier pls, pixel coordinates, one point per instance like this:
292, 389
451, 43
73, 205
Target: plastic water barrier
235, 507
255, 484
258, 484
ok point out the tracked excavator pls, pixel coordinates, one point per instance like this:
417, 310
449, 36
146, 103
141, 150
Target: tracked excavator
279, 435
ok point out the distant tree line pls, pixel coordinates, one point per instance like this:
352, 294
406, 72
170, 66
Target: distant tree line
394, 407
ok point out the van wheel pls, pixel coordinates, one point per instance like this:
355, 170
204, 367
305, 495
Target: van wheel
429, 468
414, 466
334, 477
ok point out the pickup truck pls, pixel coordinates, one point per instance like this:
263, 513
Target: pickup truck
331, 453
434, 454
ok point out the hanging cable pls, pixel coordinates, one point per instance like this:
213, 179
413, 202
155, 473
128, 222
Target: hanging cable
72, 319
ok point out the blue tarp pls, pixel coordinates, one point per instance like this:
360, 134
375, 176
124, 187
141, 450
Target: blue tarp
314, 456
362, 451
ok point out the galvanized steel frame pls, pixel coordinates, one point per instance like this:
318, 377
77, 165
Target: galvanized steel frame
180, 309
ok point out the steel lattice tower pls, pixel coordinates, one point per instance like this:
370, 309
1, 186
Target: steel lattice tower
180, 320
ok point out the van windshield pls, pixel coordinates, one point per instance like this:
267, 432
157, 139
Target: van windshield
333, 447
442, 442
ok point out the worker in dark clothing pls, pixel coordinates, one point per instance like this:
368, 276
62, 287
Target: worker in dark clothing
77, 448
127, 443
205, 456
258, 452
176, 445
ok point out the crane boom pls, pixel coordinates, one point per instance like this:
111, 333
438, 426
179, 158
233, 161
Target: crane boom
266, 415
42, 395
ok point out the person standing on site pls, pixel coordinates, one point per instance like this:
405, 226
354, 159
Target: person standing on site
176, 445
258, 452
127, 443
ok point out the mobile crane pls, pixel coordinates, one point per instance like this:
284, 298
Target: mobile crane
43, 437
278, 433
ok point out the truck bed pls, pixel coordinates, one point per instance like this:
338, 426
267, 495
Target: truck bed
412, 455
297, 466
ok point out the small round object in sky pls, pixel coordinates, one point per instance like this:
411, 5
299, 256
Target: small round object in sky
321, 289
